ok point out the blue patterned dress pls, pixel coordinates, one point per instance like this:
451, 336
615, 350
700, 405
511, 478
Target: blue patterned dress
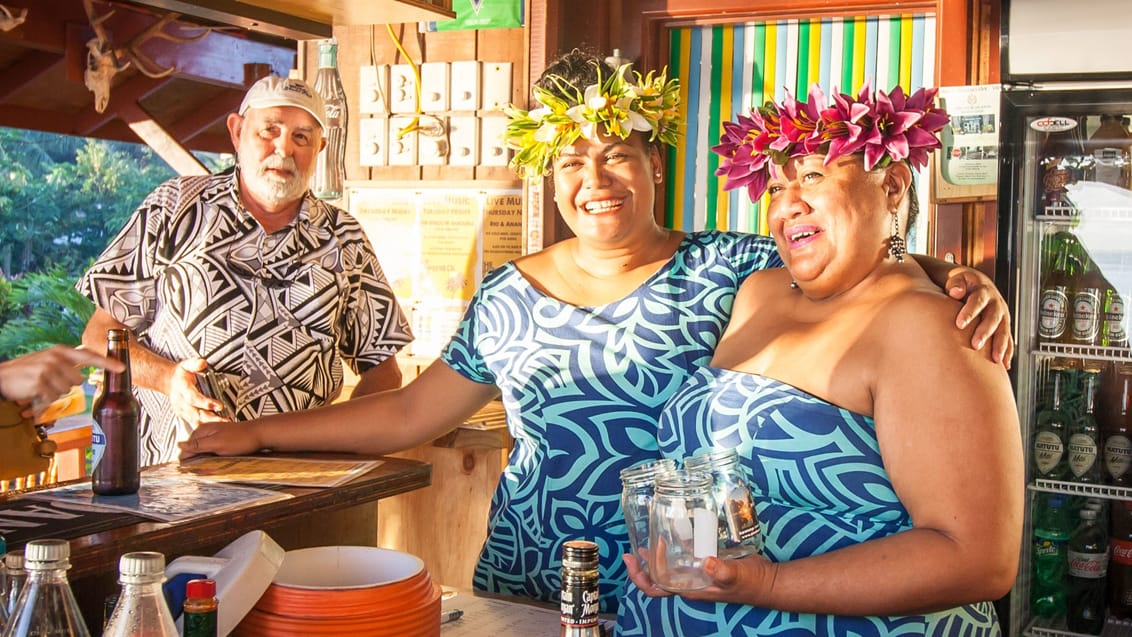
819, 484
583, 388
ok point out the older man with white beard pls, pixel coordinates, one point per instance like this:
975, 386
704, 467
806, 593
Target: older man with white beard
242, 291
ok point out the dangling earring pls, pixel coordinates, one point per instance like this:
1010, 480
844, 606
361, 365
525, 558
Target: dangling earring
896, 246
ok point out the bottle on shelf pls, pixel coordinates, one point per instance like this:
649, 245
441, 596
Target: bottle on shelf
1086, 307
1056, 293
330, 166
1110, 145
1063, 161
1084, 443
47, 605
1114, 321
1049, 555
1051, 430
1088, 567
580, 592
1120, 561
200, 609
115, 410
141, 610
1116, 427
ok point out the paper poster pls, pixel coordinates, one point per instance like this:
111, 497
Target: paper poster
970, 143
482, 14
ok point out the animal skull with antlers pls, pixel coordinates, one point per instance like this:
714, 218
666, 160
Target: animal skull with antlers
106, 59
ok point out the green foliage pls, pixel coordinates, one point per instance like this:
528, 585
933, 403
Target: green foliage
50, 311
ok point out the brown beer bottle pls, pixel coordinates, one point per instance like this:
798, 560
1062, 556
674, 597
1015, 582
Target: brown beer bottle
1057, 289
116, 412
1117, 427
1087, 305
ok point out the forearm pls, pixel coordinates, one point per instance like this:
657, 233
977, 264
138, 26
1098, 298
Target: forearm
147, 368
386, 375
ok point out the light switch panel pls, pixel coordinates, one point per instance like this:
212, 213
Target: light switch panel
402, 89
402, 148
434, 87
432, 144
373, 89
463, 141
496, 85
373, 136
464, 86
493, 152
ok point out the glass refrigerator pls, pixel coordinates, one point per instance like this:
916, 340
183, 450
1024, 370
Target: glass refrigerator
1064, 261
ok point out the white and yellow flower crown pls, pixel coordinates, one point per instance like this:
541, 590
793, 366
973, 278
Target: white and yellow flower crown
650, 104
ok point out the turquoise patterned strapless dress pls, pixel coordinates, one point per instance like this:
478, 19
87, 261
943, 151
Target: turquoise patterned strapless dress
819, 485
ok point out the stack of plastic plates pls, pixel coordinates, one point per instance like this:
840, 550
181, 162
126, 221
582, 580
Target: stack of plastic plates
347, 590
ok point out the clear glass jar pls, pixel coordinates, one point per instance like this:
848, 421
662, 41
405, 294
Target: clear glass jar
636, 495
141, 610
683, 530
740, 534
47, 606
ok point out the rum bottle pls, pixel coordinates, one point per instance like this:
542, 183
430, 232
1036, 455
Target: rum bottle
116, 411
579, 607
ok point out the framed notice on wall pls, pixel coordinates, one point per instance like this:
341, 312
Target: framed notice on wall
436, 244
966, 168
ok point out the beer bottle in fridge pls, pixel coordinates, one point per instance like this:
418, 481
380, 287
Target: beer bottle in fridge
1084, 444
1116, 428
116, 412
1114, 329
1057, 287
1087, 305
1050, 432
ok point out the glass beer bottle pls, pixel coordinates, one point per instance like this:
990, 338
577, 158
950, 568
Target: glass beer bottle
1086, 306
1050, 433
1057, 287
1117, 430
116, 411
1084, 445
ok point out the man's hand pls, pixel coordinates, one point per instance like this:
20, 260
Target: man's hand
44, 376
221, 438
188, 403
982, 301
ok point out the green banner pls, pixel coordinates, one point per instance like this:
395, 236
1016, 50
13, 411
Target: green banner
482, 14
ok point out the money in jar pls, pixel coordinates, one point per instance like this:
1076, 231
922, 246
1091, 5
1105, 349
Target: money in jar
740, 533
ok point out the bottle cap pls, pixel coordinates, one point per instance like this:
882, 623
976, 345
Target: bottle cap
117, 334
142, 564
14, 561
200, 589
47, 554
579, 554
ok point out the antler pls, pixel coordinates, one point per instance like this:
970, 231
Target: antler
8, 21
105, 59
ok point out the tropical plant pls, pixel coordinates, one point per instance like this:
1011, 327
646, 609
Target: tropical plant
51, 311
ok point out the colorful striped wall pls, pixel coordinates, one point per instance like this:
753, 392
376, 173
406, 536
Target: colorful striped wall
725, 69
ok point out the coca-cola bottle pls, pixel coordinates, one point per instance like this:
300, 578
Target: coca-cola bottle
1049, 553
1120, 565
1088, 566
1084, 442
116, 411
330, 166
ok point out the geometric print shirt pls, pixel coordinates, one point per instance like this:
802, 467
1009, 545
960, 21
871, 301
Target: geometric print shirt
192, 273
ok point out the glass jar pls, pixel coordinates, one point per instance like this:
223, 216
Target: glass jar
683, 530
636, 495
740, 534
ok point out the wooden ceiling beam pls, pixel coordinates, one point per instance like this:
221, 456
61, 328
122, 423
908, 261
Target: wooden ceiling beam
128, 92
26, 70
159, 139
247, 16
204, 117
45, 26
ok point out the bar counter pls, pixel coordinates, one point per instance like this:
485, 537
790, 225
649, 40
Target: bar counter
341, 515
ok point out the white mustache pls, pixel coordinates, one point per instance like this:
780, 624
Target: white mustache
278, 163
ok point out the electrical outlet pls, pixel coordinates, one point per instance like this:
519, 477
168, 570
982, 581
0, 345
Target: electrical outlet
432, 142
493, 152
402, 89
463, 141
434, 87
464, 86
373, 136
402, 148
373, 89
496, 85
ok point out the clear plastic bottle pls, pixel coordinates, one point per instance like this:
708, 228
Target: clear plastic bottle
330, 167
47, 606
1088, 567
740, 534
141, 610
1050, 548
637, 484
15, 578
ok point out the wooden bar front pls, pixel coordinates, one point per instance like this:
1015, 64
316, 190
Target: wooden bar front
341, 515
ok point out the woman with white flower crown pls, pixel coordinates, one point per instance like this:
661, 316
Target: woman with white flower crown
584, 341
883, 453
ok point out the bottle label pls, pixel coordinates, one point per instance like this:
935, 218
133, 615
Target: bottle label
1086, 315
1121, 552
1052, 312
1082, 453
579, 607
1117, 455
1114, 332
1047, 549
1088, 565
1048, 450
742, 523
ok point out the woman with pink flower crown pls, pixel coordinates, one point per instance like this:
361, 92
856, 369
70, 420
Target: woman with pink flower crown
883, 452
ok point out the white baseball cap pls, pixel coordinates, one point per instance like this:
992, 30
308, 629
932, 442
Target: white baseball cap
284, 91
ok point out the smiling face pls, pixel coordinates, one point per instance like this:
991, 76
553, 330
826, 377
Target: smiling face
832, 223
605, 189
276, 148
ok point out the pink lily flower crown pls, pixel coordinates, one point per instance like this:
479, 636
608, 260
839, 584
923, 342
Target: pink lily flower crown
885, 127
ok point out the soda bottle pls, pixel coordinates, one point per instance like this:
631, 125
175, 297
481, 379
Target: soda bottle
1084, 444
47, 605
1053, 305
116, 411
1120, 564
1051, 430
141, 610
330, 166
1050, 549
1117, 430
1088, 566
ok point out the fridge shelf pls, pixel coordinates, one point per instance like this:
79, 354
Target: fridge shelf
1077, 488
1069, 213
1118, 354
1112, 628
